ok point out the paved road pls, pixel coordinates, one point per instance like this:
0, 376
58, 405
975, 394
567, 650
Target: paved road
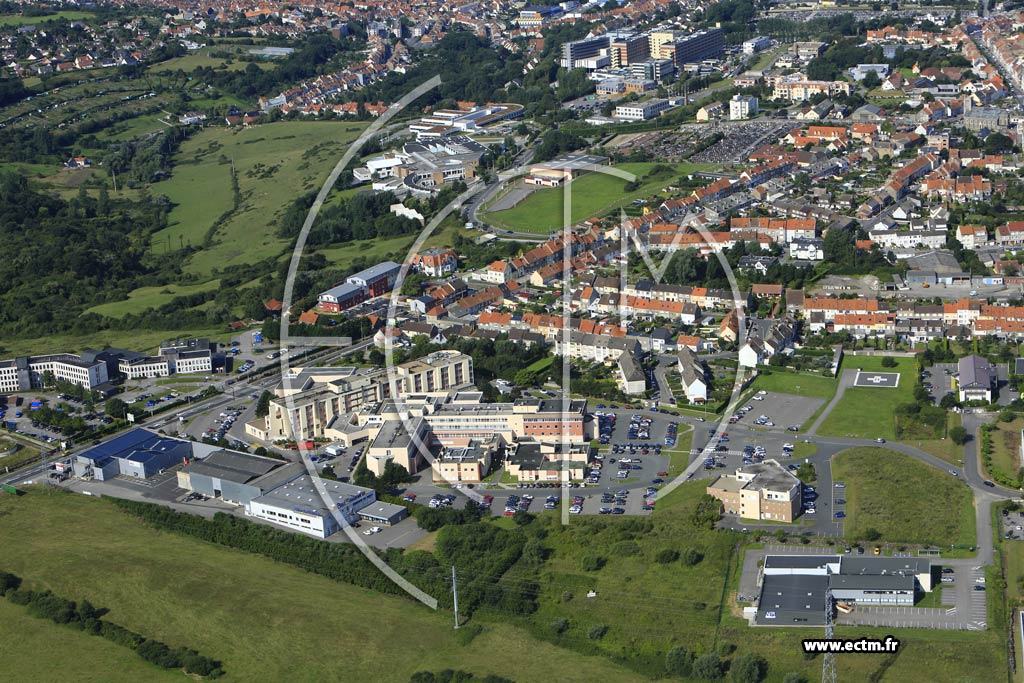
846, 379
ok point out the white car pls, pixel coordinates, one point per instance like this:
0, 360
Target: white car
368, 532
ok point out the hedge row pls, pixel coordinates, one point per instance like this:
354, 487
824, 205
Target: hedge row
85, 617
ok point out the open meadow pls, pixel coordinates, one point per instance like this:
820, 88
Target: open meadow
896, 495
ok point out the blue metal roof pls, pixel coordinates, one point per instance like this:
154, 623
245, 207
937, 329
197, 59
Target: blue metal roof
139, 445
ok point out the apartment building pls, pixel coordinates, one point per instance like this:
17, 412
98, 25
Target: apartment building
762, 491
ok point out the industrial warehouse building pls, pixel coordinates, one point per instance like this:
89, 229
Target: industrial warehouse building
794, 588
233, 476
298, 506
139, 454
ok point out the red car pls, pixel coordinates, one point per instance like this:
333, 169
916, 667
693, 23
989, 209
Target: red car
662, 474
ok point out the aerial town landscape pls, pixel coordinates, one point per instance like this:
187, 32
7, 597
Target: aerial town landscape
511, 342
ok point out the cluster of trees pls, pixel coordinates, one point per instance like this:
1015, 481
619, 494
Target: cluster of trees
140, 161
393, 475
469, 69
66, 255
320, 54
366, 215
85, 617
844, 258
710, 666
60, 418
481, 554
556, 142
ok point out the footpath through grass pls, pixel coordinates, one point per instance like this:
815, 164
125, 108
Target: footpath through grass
903, 499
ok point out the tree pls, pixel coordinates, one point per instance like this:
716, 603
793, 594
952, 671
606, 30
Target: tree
872, 534
871, 80
959, 435
679, 662
263, 404
708, 667
748, 667
888, 361
328, 473
116, 408
948, 401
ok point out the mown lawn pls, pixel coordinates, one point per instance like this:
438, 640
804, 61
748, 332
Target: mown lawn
593, 194
257, 616
783, 382
903, 499
869, 412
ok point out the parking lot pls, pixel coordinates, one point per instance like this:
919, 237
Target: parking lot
1013, 526
781, 410
940, 379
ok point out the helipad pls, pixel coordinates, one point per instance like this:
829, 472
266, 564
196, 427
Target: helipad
882, 380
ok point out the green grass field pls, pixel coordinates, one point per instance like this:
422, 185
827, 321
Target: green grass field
150, 297
138, 340
274, 163
1006, 445
868, 412
23, 454
202, 59
21, 20
897, 495
944, 448
782, 382
259, 617
593, 194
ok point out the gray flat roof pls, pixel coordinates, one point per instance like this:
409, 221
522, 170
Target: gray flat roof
873, 582
792, 598
233, 466
301, 495
799, 561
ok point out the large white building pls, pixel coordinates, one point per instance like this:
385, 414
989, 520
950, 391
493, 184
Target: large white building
26, 372
641, 111
741, 107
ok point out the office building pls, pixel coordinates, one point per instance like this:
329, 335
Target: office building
25, 373
641, 111
761, 491
577, 51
